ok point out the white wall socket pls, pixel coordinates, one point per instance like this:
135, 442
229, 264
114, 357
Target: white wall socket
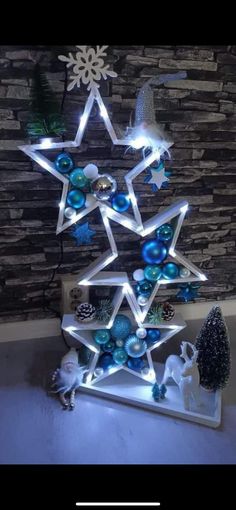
72, 294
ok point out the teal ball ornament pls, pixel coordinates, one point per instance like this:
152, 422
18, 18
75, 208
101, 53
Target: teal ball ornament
101, 336
152, 273
78, 179
106, 361
76, 198
135, 347
154, 251
121, 327
120, 356
165, 232
109, 346
120, 202
63, 163
144, 288
170, 271
153, 335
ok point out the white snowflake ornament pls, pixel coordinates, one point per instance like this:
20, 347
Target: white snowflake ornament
88, 67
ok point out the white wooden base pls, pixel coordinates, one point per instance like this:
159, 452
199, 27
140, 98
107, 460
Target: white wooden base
124, 387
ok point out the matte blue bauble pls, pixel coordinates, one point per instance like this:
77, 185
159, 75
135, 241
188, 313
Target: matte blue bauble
76, 198
165, 232
135, 347
170, 271
101, 336
144, 288
136, 364
78, 179
154, 252
64, 163
120, 202
153, 335
120, 356
152, 273
109, 346
106, 361
121, 327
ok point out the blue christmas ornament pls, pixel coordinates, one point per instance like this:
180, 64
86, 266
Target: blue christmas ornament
120, 356
121, 327
165, 232
83, 234
152, 273
153, 335
188, 292
135, 347
63, 163
170, 271
101, 336
78, 179
136, 364
109, 346
76, 198
144, 288
120, 202
154, 251
106, 361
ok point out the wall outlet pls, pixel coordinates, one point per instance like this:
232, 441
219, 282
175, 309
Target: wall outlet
72, 294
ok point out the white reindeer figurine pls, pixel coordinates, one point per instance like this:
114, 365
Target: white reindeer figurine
185, 374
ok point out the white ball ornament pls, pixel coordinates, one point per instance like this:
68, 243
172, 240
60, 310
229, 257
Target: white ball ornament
184, 272
90, 199
91, 171
145, 371
70, 213
119, 343
98, 371
141, 333
142, 300
138, 275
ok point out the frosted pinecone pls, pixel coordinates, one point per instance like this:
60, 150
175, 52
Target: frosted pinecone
85, 312
168, 312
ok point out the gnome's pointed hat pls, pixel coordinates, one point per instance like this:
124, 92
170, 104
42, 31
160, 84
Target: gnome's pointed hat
70, 357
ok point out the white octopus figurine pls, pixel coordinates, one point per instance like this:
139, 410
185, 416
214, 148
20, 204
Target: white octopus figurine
68, 378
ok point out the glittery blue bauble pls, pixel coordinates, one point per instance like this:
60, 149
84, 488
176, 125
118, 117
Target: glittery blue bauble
76, 198
109, 346
120, 356
120, 202
144, 288
78, 179
64, 163
136, 364
101, 336
152, 273
154, 252
153, 335
135, 347
106, 361
170, 271
121, 327
165, 232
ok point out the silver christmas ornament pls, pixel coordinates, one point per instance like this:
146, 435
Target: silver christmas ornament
119, 343
184, 272
70, 213
103, 187
142, 300
141, 333
98, 371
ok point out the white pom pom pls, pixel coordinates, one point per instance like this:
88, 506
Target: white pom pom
70, 213
91, 171
90, 199
138, 275
141, 332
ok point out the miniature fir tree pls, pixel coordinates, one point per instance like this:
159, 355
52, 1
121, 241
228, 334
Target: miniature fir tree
213, 351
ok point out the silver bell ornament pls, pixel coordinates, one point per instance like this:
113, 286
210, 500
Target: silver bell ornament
103, 187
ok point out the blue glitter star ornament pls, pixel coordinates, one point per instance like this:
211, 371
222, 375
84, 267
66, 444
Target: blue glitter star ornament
83, 234
188, 292
157, 177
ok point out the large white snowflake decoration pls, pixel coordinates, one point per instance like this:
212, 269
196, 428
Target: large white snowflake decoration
88, 67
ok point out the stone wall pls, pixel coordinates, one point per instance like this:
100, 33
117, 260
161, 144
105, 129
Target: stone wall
200, 114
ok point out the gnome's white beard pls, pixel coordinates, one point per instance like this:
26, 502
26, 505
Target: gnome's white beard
68, 380
149, 135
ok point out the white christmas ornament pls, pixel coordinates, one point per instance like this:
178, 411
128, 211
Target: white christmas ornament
184, 272
142, 300
90, 200
70, 213
138, 275
141, 333
91, 171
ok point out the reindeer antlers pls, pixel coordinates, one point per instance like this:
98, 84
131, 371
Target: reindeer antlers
184, 354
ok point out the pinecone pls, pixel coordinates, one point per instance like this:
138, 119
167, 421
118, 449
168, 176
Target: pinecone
85, 312
168, 312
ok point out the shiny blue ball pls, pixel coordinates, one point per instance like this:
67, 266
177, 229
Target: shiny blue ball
101, 336
144, 288
120, 356
153, 335
135, 347
121, 327
76, 198
152, 272
109, 346
106, 361
64, 163
165, 232
170, 271
136, 364
78, 179
120, 202
154, 251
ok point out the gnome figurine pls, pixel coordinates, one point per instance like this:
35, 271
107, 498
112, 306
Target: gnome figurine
67, 378
146, 132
